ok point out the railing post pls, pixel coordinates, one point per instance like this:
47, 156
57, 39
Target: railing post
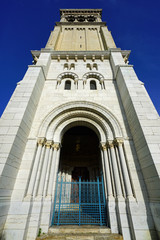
79, 201
55, 200
60, 200
104, 199
99, 198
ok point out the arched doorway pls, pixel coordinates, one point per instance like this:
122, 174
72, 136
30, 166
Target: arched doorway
80, 197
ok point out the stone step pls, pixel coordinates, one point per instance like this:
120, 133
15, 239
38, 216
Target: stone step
71, 229
79, 233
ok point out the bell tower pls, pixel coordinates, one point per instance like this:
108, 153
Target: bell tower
80, 30
80, 139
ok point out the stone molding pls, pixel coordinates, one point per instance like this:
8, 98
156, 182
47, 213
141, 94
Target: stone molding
41, 141
84, 113
65, 75
48, 143
56, 146
76, 55
93, 75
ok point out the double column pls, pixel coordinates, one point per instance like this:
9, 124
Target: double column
114, 166
127, 182
45, 168
54, 169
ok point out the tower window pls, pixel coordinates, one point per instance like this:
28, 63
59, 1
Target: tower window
80, 46
95, 67
93, 85
67, 85
66, 66
72, 66
89, 66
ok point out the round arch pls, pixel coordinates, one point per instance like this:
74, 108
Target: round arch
93, 75
100, 119
69, 75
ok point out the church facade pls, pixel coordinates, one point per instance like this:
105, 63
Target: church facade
80, 138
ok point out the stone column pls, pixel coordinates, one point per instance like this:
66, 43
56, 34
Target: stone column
48, 172
107, 170
115, 169
41, 142
85, 84
54, 167
58, 84
76, 84
48, 144
119, 143
62, 84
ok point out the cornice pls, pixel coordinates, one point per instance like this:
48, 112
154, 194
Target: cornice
81, 23
80, 11
80, 54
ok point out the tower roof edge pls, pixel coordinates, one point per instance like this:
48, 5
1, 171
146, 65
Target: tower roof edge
78, 11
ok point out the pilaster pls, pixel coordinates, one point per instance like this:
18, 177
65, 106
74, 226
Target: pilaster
143, 120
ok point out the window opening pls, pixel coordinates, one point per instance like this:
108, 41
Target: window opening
93, 85
67, 85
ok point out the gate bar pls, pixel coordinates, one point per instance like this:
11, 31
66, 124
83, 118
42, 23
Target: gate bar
79, 201
60, 200
99, 198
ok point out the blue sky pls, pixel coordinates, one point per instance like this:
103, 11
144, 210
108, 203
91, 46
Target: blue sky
26, 25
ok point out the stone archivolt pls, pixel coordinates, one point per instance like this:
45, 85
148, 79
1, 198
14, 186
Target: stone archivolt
104, 118
67, 75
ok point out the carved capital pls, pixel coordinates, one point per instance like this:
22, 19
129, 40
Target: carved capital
118, 141
41, 141
84, 81
110, 144
56, 146
103, 146
48, 143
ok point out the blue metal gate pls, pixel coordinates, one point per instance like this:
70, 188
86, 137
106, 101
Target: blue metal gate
79, 202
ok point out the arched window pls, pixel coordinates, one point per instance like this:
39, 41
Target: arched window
66, 66
93, 85
88, 66
72, 66
95, 67
67, 85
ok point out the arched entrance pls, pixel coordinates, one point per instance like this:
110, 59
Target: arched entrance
80, 197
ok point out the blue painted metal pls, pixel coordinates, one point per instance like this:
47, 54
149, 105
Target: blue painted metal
79, 202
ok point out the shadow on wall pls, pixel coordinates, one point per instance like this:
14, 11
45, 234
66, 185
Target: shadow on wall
2, 236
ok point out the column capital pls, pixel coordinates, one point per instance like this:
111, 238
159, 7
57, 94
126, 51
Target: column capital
110, 144
103, 146
56, 146
41, 141
48, 143
118, 141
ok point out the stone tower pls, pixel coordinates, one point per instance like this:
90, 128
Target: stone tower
80, 111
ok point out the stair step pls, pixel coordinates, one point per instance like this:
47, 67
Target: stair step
78, 229
107, 236
79, 233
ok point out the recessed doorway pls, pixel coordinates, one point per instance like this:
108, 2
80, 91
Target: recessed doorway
80, 197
